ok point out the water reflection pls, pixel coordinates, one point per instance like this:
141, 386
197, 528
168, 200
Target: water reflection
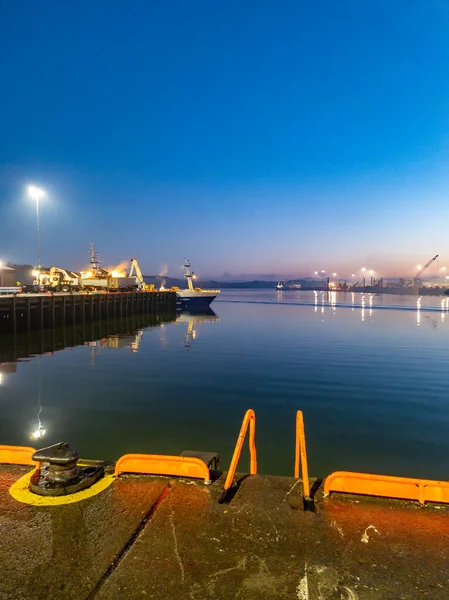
193, 319
130, 341
40, 430
125, 332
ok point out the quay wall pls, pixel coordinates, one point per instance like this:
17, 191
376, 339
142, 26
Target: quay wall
24, 312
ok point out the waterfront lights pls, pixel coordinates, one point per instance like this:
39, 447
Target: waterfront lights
35, 192
334, 274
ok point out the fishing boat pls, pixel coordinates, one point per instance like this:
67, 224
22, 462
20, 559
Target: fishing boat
288, 285
193, 297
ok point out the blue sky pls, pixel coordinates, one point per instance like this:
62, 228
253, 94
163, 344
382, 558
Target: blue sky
253, 137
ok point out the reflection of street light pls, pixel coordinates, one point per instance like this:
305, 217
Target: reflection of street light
36, 193
39, 432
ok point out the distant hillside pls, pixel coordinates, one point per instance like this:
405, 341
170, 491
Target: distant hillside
221, 285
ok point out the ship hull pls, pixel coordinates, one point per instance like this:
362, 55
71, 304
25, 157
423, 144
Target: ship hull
194, 300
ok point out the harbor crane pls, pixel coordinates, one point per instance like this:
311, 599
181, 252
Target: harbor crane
145, 287
417, 279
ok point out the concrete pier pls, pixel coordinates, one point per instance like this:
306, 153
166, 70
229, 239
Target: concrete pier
40, 311
165, 538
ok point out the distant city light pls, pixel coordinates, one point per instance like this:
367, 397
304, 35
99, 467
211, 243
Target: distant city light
363, 269
334, 274
316, 272
419, 267
442, 268
1, 264
353, 275
371, 271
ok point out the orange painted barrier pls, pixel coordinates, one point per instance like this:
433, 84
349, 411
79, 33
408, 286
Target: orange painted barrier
301, 454
248, 420
17, 455
423, 490
158, 464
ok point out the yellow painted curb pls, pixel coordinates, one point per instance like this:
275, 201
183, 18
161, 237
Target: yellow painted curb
20, 492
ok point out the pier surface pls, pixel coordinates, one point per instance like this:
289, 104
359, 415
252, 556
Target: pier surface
154, 537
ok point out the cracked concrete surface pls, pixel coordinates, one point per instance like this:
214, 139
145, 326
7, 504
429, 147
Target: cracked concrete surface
139, 539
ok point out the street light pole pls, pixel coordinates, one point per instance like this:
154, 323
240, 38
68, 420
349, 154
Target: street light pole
38, 236
37, 194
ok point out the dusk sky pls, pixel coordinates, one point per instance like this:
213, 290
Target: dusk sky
253, 137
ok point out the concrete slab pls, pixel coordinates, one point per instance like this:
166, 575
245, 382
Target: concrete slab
63, 551
149, 537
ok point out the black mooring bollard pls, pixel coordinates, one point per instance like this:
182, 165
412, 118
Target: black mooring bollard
59, 473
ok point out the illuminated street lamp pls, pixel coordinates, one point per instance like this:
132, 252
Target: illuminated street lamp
36, 194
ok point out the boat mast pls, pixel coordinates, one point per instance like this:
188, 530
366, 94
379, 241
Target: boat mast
94, 262
188, 275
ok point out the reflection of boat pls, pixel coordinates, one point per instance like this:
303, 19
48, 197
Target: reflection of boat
194, 297
288, 285
206, 315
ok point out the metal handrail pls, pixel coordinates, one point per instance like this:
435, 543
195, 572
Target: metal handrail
387, 486
301, 454
158, 464
17, 455
248, 420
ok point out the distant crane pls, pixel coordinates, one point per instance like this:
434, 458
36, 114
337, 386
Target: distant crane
417, 279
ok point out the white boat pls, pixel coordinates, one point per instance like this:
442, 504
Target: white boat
194, 297
288, 285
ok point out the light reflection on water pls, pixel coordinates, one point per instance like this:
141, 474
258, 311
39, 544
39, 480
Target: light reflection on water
371, 379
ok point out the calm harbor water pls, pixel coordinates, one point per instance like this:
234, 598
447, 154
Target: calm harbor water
371, 374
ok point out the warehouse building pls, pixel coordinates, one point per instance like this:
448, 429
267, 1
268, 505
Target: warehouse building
7, 276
